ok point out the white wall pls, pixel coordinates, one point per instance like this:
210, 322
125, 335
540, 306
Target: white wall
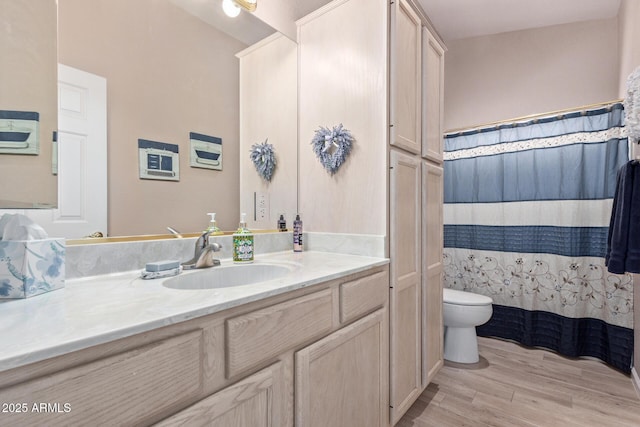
268, 109
28, 82
514, 74
343, 79
629, 39
278, 15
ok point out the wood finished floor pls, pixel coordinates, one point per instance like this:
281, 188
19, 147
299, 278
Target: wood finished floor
514, 385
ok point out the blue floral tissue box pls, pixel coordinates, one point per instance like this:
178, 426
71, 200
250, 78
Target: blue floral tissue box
30, 267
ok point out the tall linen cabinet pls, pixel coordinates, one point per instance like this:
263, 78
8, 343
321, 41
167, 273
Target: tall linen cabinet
415, 189
376, 66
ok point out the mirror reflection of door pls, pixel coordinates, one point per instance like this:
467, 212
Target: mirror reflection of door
82, 157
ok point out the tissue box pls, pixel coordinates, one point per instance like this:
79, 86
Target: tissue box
30, 267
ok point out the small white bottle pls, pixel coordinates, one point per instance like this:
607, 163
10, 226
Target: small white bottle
297, 234
243, 243
213, 227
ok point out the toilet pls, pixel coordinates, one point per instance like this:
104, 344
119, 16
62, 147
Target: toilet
462, 312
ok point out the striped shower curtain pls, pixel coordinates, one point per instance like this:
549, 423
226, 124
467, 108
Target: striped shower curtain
527, 209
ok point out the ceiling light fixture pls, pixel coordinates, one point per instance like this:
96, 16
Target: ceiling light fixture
232, 7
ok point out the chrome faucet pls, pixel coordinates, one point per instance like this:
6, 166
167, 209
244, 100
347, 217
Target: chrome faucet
203, 256
174, 232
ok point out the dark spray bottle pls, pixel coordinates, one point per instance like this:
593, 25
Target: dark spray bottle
282, 223
297, 234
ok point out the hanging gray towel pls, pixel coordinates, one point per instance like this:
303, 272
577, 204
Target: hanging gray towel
623, 242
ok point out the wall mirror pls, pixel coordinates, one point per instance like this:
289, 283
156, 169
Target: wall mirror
173, 69
171, 72
28, 108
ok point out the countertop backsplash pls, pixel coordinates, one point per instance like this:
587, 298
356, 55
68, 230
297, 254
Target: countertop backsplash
107, 258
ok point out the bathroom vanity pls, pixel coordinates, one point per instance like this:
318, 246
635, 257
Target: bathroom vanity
144, 353
342, 341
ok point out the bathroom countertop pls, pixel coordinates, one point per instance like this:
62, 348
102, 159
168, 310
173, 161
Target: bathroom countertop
98, 309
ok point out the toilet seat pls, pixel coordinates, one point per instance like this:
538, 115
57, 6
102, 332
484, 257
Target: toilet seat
453, 296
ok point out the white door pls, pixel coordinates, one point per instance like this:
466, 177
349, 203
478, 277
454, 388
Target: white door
82, 157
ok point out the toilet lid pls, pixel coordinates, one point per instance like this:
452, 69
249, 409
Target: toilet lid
453, 296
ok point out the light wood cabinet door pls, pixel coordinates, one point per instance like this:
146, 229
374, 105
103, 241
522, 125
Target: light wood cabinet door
342, 380
433, 88
406, 72
259, 400
406, 272
432, 243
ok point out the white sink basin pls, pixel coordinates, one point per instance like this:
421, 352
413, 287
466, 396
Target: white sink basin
227, 276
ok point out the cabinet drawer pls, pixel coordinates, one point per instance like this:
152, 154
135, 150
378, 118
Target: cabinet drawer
363, 295
259, 336
125, 389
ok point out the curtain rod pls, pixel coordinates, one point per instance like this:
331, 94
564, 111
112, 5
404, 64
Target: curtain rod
533, 116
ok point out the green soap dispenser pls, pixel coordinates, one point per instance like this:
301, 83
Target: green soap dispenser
243, 243
213, 228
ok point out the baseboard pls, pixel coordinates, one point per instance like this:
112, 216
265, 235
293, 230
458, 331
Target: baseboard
635, 379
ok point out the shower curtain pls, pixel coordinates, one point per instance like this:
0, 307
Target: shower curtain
527, 209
